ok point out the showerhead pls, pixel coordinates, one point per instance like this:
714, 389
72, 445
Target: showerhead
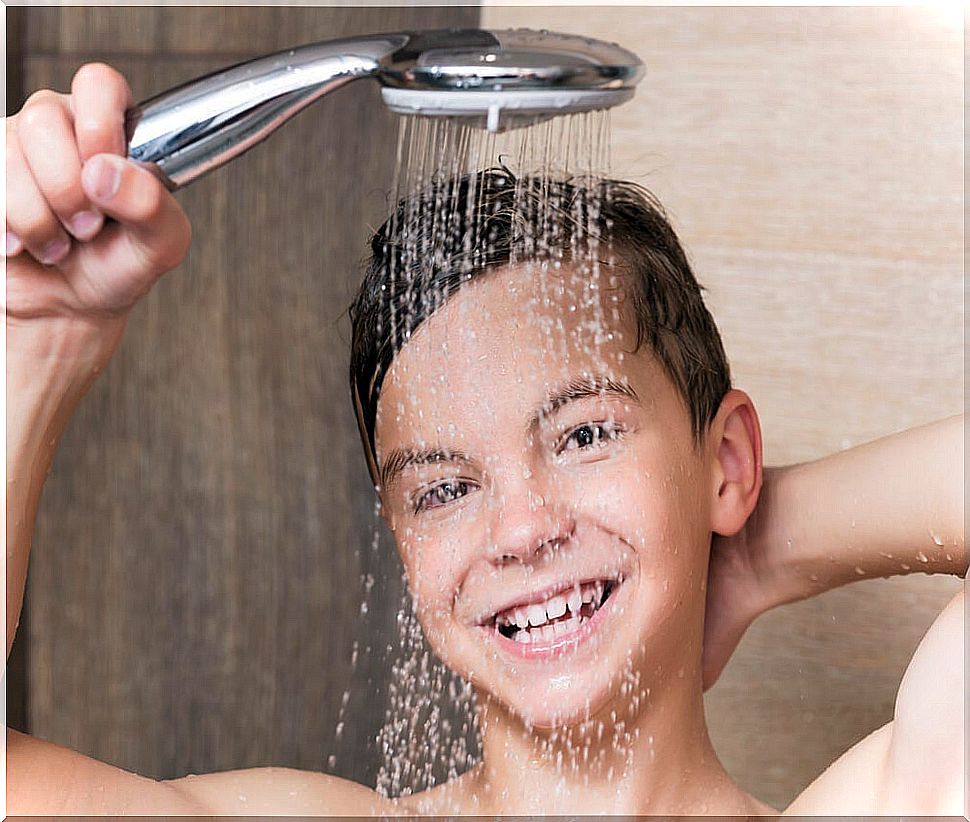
495, 80
511, 79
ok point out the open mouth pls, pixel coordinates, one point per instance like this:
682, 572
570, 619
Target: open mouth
556, 616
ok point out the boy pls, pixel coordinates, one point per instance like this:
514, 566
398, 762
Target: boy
555, 527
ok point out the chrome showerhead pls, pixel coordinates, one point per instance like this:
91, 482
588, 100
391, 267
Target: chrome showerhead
491, 79
512, 78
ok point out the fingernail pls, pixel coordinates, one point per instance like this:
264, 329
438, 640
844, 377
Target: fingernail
12, 244
102, 177
85, 224
55, 251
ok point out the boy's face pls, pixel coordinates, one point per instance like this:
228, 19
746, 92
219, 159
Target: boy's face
533, 474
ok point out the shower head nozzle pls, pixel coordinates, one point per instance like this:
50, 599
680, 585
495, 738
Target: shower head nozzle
490, 79
501, 110
508, 79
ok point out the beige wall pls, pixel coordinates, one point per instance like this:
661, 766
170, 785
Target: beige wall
812, 161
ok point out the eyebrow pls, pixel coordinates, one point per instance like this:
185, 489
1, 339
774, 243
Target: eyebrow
578, 388
581, 388
402, 458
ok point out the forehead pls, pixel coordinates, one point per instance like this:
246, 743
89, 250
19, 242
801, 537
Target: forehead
500, 343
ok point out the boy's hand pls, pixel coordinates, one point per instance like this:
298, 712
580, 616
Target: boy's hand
738, 586
87, 231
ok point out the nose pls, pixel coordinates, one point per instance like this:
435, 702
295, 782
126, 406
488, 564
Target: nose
528, 520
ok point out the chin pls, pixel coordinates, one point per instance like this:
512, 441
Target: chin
565, 701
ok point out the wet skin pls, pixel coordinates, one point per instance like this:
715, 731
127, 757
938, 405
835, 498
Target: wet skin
524, 458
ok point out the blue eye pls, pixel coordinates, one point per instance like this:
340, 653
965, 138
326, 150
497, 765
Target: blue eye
590, 435
442, 494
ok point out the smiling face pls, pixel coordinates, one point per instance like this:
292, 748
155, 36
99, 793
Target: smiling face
547, 496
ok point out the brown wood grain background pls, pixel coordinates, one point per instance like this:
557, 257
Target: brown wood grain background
196, 580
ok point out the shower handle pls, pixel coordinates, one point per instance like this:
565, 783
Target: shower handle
190, 130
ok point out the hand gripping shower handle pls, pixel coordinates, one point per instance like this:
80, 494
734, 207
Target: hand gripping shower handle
197, 127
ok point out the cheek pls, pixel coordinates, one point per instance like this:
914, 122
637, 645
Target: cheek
662, 513
431, 576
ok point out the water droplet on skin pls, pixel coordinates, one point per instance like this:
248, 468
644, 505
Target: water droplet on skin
859, 571
938, 540
922, 557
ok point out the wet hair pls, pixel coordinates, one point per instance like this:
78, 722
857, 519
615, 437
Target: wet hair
460, 228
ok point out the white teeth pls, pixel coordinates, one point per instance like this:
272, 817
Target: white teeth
537, 615
574, 601
556, 607
547, 633
559, 629
522, 637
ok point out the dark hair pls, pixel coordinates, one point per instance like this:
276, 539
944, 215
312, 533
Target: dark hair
459, 228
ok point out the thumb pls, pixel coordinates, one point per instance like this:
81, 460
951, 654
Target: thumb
137, 199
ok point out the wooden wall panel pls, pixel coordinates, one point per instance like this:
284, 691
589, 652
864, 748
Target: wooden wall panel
197, 576
812, 162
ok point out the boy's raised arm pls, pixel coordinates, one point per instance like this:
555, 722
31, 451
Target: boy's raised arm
87, 235
891, 506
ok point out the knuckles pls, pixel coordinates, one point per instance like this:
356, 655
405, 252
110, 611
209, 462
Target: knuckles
40, 108
98, 74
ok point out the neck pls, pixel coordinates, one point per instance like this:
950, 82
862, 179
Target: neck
657, 760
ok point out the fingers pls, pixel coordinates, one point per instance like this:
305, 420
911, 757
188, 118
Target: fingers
45, 134
31, 223
47, 143
100, 96
132, 195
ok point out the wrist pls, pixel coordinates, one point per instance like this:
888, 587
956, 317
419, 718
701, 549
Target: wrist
50, 365
62, 345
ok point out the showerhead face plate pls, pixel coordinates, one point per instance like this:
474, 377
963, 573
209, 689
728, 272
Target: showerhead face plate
501, 110
507, 79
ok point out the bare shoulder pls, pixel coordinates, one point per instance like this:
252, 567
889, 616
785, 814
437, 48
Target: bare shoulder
914, 765
43, 778
288, 791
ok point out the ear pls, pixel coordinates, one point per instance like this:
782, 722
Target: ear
735, 441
